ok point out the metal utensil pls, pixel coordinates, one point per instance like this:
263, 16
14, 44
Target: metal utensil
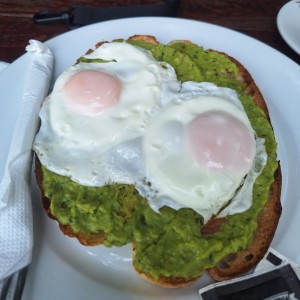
79, 15
13, 285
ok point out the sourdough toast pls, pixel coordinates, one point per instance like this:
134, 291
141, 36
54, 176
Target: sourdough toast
233, 264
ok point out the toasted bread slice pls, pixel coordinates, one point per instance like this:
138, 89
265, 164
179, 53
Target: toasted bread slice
234, 264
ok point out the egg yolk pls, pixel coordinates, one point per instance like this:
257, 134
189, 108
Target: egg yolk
219, 141
92, 92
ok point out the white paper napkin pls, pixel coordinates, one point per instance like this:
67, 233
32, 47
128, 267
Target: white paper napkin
16, 236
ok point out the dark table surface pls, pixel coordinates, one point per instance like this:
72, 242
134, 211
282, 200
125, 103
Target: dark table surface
255, 18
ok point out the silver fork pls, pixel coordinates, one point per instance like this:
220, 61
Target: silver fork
12, 286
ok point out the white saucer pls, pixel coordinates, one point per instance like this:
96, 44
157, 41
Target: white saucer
288, 23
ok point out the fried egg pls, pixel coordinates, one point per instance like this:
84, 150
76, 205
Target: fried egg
126, 119
95, 107
199, 151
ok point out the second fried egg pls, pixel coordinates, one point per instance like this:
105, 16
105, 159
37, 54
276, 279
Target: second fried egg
199, 153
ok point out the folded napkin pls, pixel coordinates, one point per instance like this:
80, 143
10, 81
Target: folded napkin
16, 236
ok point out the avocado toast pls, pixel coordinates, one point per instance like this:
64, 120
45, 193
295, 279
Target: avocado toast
173, 248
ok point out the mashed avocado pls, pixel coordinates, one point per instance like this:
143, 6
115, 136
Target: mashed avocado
168, 243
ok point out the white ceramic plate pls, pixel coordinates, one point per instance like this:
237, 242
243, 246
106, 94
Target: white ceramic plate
288, 23
63, 269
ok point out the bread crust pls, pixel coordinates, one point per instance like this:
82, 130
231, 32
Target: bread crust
242, 262
234, 264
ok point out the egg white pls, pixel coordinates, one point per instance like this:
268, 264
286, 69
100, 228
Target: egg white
140, 140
